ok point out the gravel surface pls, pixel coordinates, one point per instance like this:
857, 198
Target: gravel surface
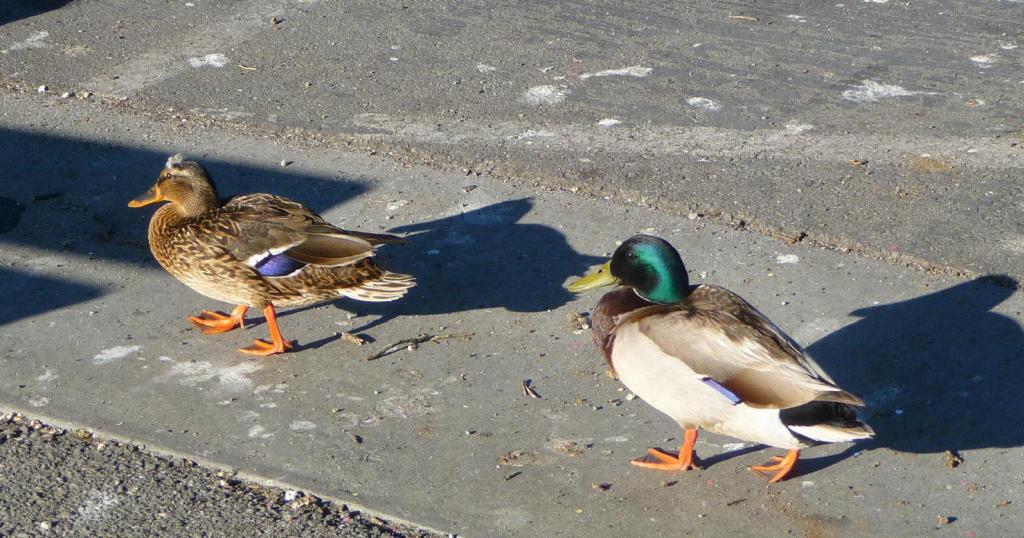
70, 483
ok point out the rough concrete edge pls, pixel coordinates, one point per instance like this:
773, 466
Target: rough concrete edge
160, 450
408, 155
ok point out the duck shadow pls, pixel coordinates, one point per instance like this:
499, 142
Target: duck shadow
938, 372
478, 259
23, 9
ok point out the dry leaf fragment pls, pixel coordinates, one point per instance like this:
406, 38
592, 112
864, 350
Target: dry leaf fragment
353, 338
926, 163
528, 390
578, 321
953, 459
515, 458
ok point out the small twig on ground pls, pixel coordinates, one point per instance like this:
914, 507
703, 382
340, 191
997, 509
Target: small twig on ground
413, 342
528, 390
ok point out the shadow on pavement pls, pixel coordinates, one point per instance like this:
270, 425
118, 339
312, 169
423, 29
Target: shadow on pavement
484, 258
22, 9
939, 372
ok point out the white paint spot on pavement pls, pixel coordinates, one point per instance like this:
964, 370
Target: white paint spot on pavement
984, 61
34, 41
229, 378
876, 1
616, 439
484, 68
797, 18
259, 432
1007, 46
108, 356
539, 133
395, 205
729, 447
225, 113
40, 401
633, 71
97, 506
794, 128
302, 426
703, 103
787, 258
870, 91
609, 122
546, 95
211, 60
47, 377
279, 388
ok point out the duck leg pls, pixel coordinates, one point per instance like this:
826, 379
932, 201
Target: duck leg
781, 468
685, 461
215, 322
277, 342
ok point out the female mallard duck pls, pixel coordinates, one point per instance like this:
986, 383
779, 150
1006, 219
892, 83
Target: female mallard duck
707, 358
258, 250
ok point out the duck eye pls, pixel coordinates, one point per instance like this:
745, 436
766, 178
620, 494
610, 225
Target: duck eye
630, 255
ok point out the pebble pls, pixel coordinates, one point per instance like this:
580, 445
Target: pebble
42, 89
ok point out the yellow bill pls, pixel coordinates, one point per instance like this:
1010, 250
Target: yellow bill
602, 276
151, 196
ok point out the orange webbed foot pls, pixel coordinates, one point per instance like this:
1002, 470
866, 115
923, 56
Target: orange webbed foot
262, 348
277, 343
666, 461
777, 471
215, 322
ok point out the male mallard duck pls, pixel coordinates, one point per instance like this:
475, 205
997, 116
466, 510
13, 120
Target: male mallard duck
707, 358
258, 250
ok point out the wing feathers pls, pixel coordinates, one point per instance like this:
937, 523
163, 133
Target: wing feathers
719, 335
330, 250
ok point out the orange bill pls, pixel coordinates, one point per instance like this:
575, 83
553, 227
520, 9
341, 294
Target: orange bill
151, 196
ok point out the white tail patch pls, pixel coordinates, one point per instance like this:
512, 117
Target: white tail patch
388, 287
832, 434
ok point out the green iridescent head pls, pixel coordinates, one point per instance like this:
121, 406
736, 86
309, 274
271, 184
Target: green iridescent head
648, 264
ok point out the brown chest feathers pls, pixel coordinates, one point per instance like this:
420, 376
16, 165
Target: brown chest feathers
612, 305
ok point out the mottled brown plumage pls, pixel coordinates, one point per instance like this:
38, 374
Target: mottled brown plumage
221, 251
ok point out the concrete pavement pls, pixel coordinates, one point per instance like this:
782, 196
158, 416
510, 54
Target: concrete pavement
891, 129
444, 435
